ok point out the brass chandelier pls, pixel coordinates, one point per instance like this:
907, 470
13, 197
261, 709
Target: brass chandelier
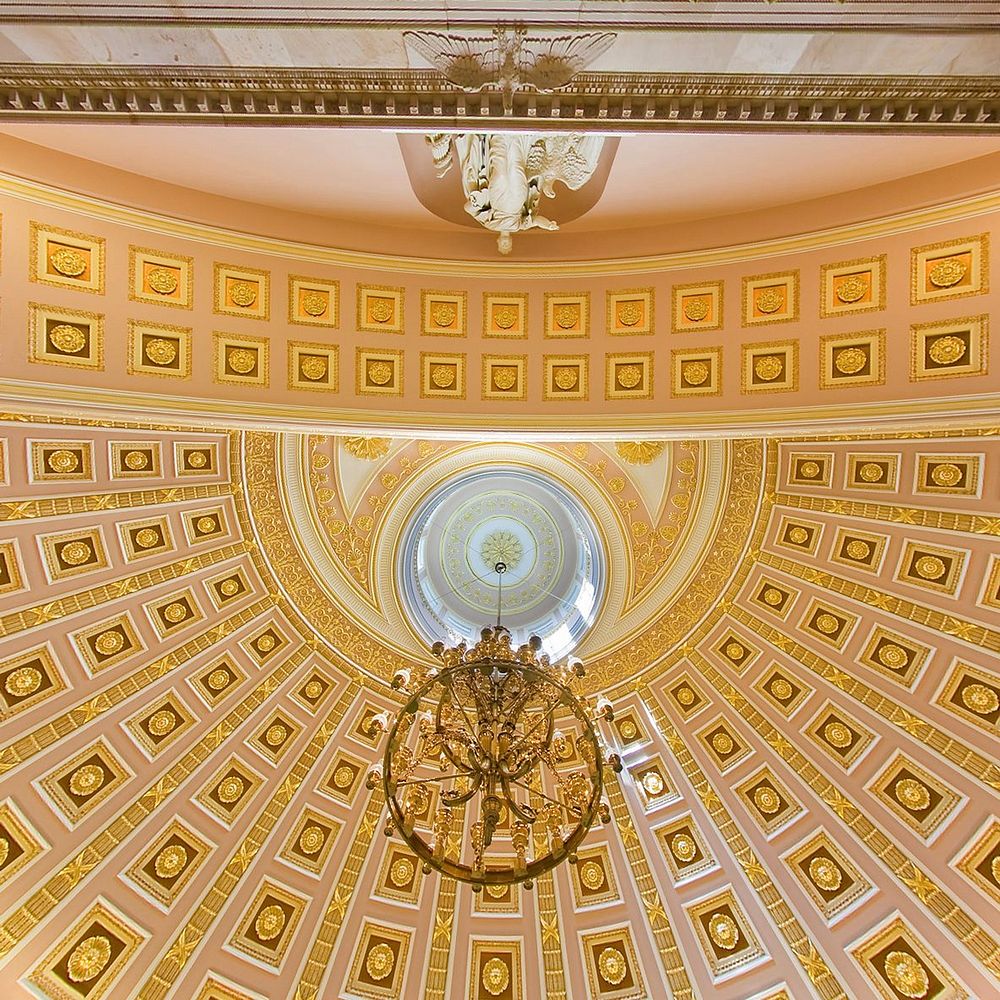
478, 739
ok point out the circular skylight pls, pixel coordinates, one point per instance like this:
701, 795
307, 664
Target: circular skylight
555, 565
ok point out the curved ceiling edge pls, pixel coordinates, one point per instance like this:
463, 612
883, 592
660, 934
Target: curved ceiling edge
156, 223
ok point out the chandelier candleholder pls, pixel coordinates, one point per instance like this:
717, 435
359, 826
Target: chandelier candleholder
479, 729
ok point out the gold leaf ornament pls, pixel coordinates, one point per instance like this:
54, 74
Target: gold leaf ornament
241, 360
162, 280
853, 287
946, 474
64, 461
947, 350
160, 351
612, 965
769, 300
495, 976
696, 308
767, 800
379, 961
444, 314
23, 682
401, 872
566, 315
269, 923
313, 367
68, 262
592, 875
723, 931
683, 847
380, 372
630, 312
639, 452
979, 698
871, 472
505, 316
67, 338
858, 549
948, 272
136, 460
837, 735
906, 975
695, 372
850, 360
170, 862
86, 780
566, 377
176, 612
380, 309
243, 293
314, 303
504, 377
161, 723
768, 367
443, 376
825, 874
368, 448
930, 567
311, 839
88, 959
912, 794
892, 655
629, 376
781, 689
146, 538
110, 642
75, 553
218, 679
230, 789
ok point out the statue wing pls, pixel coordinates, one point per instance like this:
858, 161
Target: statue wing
550, 63
571, 159
468, 63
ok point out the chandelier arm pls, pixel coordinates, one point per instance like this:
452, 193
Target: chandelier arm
445, 747
435, 778
528, 815
538, 791
547, 717
454, 800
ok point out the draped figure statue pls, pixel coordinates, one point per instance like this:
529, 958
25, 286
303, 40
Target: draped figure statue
504, 174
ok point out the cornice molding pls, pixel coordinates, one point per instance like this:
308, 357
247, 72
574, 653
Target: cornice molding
887, 415
608, 102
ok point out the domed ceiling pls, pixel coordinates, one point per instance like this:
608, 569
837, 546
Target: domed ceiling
806, 705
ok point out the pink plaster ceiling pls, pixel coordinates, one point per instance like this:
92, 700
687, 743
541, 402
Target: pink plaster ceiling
359, 176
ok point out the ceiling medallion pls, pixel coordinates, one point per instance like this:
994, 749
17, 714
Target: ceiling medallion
23, 682
311, 839
68, 338
912, 794
825, 874
86, 780
696, 372
853, 288
850, 360
75, 553
379, 961
696, 309
64, 461
947, 350
977, 698
88, 959
613, 966
108, 643
723, 931
906, 975
948, 272
170, 862
160, 351
68, 262
683, 847
496, 976
162, 280
480, 726
269, 923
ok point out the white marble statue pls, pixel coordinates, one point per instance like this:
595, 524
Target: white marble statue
504, 174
